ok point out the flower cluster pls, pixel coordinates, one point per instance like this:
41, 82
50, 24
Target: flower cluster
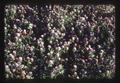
53, 41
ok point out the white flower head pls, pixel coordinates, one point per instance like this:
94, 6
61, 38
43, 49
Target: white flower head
67, 48
19, 39
41, 49
72, 28
6, 67
60, 66
58, 55
18, 34
12, 56
38, 41
51, 52
14, 26
20, 59
73, 38
74, 49
51, 62
78, 77
75, 73
24, 31
31, 59
48, 54
59, 58
16, 64
30, 73
50, 41
32, 48
28, 58
75, 66
16, 38
52, 31
59, 48
49, 46
42, 36
63, 34
23, 72
34, 38
14, 70
8, 34
14, 52
22, 66
28, 77
30, 26
82, 18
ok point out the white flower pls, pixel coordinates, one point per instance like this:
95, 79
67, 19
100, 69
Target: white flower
85, 72
28, 58
20, 59
30, 26
12, 56
6, 66
73, 38
48, 54
24, 32
82, 19
18, 34
50, 41
42, 36
14, 26
75, 66
83, 60
49, 46
63, 34
29, 62
72, 28
51, 62
102, 51
32, 59
30, 73
22, 66
28, 77
66, 59
78, 77
14, 52
63, 46
59, 48
51, 52
16, 64
59, 58
87, 48
60, 66
34, 38
75, 73
52, 74
16, 38
23, 72
8, 34
74, 10
38, 41
41, 49
75, 44
19, 39
58, 54
67, 48
31, 48
100, 71
13, 70
74, 49
111, 39
52, 31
